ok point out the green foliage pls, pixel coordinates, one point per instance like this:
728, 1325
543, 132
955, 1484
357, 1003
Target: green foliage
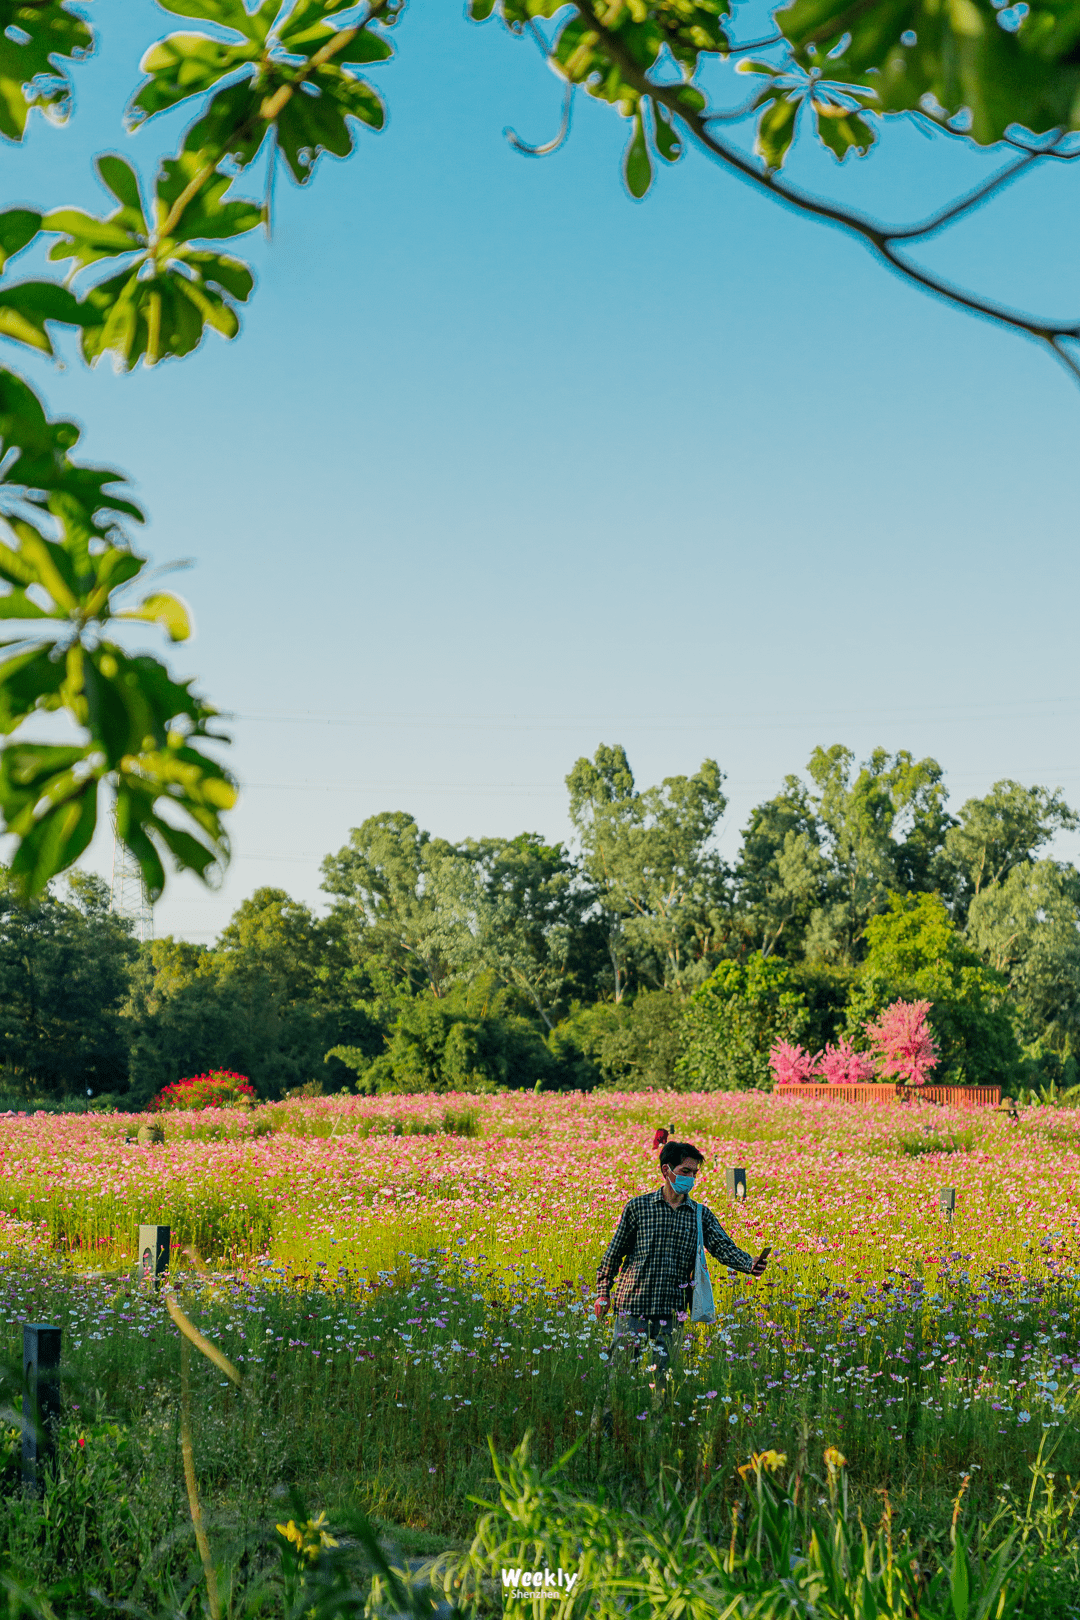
383, 877
285, 72
994, 835
882, 826
633, 1044
921, 56
781, 872
915, 952
1026, 926
665, 1559
733, 1020
68, 567
63, 980
516, 907
269, 1000
471, 1039
649, 855
285, 77
168, 290
38, 41
826, 988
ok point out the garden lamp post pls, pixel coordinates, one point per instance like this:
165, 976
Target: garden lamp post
736, 1184
154, 1242
41, 1400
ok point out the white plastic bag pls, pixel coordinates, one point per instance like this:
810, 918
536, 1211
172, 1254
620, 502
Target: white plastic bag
703, 1308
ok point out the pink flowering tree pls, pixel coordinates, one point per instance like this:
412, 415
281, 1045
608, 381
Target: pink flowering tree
841, 1065
791, 1065
903, 1042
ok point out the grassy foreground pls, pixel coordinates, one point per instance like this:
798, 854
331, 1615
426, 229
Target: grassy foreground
939, 1360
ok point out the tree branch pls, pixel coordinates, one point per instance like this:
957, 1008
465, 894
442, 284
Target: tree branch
971, 199
879, 238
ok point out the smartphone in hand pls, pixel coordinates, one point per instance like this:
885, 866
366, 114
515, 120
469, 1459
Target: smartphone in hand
764, 1255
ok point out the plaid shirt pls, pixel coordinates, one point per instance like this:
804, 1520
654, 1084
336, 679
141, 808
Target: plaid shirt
659, 1246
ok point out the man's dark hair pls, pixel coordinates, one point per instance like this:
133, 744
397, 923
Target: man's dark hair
676, 1152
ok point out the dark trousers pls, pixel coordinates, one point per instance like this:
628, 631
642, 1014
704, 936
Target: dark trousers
648, 1338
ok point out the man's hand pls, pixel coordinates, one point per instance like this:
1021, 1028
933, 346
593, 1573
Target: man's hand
758, 1267
601, 1308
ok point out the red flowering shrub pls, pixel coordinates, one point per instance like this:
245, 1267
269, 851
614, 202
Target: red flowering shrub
221, 1088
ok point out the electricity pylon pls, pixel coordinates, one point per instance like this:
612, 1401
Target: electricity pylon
129, 897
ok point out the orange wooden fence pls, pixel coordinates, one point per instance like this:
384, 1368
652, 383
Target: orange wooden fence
885, 1095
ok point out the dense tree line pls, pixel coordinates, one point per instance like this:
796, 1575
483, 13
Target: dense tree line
637, 956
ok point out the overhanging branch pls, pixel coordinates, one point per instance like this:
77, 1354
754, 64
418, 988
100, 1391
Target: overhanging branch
883, 240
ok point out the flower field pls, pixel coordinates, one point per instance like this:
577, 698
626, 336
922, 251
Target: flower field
399, 1278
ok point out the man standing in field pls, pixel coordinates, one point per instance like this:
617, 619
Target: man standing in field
655, 1244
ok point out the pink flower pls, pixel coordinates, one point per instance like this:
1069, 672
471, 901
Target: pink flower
841, 1065
904, 1043
791, 1066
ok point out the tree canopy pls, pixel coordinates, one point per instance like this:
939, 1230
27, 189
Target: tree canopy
631, 955
283, 83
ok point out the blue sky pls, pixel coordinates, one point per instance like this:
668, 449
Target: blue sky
504, 465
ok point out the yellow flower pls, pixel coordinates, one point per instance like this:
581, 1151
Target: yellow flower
833, 1458
310, 1538
771, 1461
291, 1533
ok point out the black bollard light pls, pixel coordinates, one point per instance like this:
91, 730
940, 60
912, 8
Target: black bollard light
736, 1183
41, 1400
947, 1200
154, 1242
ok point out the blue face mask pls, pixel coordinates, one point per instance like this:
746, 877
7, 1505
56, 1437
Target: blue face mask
683, 1184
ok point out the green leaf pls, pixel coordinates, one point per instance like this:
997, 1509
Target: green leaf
637, 169
480, 10
231, 127
692, 99
776, 127
311, 24
18, 227
48, 798
315, 120
842, 130
231, 275
181, 66
686, 31
35, 464
29, 681
208, 216
117, 174
958, 55
137, 318
668, 142
52, 563
182, 779
27, 308
88, 239
254, 26
37, 42
17, 605
961, 1579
